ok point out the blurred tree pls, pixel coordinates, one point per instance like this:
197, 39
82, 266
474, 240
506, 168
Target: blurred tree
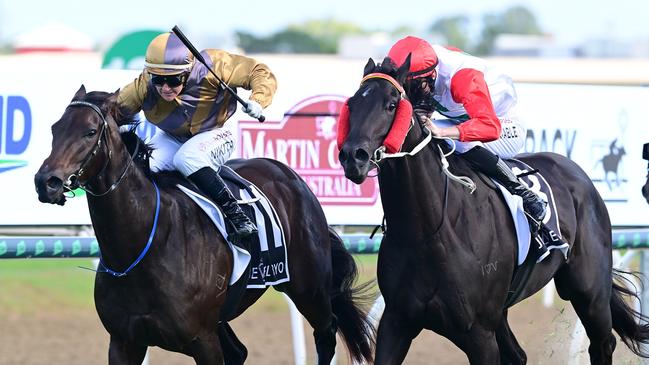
454, 30
286, 41
402, 31
313, 36
515, 20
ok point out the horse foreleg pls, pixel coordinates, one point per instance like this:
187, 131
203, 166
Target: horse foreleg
510, 351
393, 339
206, 350
121, 352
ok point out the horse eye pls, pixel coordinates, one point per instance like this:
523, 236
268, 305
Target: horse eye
91, 133
392, 106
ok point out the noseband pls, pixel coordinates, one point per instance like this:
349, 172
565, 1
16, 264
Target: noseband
381, 152
73, 181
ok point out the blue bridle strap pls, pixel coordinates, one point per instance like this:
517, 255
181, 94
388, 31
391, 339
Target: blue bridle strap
103, 268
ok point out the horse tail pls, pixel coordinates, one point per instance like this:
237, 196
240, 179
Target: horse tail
631, 325
347, 303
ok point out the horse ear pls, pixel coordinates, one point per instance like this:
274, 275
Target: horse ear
80, 93
112, 99
404, 69
369, 67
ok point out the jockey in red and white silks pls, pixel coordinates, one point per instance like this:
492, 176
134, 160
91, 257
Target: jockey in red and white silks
478, 104
479, 100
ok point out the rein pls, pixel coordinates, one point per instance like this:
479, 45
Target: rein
106, 269
73, 181
380, 153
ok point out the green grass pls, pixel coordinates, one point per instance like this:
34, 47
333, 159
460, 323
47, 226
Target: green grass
58, 285
30, 285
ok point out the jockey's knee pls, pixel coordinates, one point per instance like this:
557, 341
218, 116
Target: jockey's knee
189, 163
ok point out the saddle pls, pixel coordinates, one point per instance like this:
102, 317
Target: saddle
543, 237
266, 257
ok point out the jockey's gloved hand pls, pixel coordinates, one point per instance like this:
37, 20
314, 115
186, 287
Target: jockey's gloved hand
424, 116
253, 109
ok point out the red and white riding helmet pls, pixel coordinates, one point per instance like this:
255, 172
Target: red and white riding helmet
423, 58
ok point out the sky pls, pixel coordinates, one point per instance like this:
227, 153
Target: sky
569, 20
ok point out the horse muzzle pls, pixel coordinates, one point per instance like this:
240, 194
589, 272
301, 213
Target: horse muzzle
49, 188
355, 162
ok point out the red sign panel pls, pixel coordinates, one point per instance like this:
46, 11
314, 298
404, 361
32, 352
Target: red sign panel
305, 140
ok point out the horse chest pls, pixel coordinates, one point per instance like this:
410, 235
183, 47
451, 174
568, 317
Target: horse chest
144, 314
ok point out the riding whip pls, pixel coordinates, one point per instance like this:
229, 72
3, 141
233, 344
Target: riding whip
200, 58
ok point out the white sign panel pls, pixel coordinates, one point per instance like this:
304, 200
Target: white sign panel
30, 102
601, 128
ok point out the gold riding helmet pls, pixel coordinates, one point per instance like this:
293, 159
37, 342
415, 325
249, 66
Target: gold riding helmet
167, 55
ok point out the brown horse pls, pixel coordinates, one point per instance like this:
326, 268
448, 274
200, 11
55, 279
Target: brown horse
439, 239
171, 266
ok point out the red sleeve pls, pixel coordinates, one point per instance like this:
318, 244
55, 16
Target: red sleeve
468, 87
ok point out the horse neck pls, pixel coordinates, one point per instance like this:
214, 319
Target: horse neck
413, 189
122, 218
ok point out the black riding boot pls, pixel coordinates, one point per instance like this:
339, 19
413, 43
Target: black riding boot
213, 185
491, 165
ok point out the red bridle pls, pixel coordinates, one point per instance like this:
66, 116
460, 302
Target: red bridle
400, 126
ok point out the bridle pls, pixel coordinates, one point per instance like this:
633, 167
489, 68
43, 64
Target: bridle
380, 153
73, 181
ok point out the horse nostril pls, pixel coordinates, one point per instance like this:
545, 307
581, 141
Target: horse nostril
54, 183
342, 156
361, 155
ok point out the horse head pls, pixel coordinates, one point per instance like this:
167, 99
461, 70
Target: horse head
375, 119
81, 145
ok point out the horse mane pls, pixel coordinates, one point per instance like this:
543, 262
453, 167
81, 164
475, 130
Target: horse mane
120, 114
130, 139
141, 160
388, 67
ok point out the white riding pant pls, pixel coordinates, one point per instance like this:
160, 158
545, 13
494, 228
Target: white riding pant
510, 143
206, 149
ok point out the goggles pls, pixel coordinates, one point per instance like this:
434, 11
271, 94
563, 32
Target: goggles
171, 80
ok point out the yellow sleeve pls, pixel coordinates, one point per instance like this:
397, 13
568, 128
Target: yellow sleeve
131, 97
245, 72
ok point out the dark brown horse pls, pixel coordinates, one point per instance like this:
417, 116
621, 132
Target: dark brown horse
439, 239
177, 284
